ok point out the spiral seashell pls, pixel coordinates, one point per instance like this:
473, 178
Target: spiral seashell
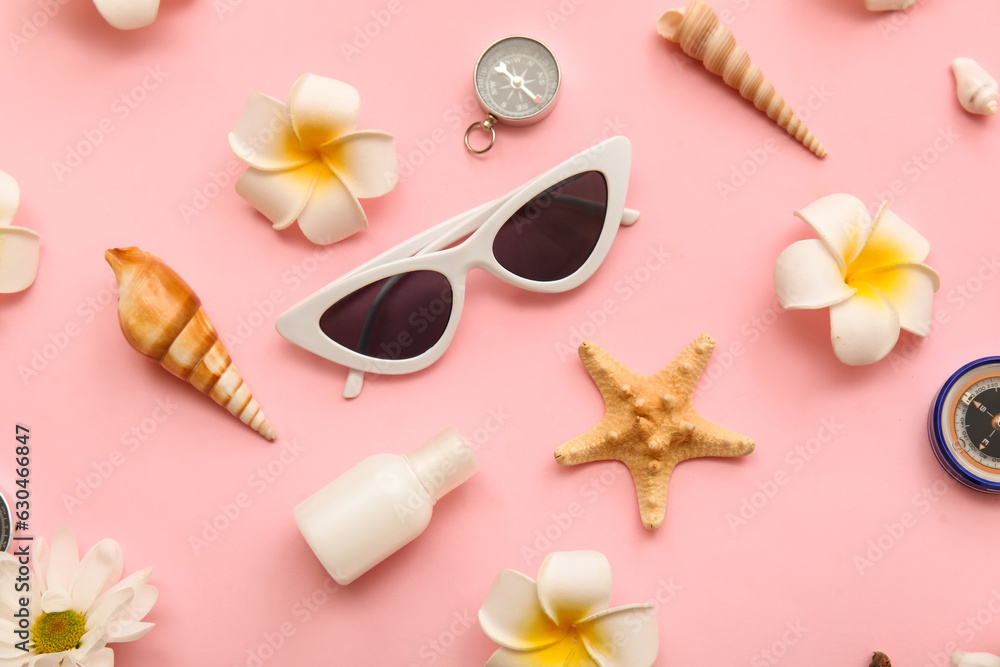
162, 317
698, 31
977, 90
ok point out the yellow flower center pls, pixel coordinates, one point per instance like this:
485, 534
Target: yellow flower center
58, 631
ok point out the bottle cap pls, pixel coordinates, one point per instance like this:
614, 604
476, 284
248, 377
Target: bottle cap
443, 463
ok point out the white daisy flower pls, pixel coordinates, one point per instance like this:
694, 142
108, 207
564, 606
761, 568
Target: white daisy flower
63, 610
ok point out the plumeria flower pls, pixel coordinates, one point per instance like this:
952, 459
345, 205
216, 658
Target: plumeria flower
870, 273
128, 14
18, 246
76, 606
563, 620
307, 162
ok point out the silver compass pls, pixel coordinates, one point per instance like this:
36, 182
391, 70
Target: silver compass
517, 83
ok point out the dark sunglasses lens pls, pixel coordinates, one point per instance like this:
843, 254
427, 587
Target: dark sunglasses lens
399, 317
551, 236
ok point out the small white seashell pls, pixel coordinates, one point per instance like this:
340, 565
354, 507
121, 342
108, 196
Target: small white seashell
888, 5
963, 659
977, 90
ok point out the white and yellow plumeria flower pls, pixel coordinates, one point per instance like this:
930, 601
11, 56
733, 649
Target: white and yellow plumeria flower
128, 14
18, 246
76, 606
563, 620
307, 161
870, 273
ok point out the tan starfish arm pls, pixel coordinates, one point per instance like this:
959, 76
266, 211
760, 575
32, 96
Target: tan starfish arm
598, 444
680, 376
652, 480
709, 439
612, 378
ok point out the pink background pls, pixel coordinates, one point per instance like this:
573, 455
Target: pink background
875, 88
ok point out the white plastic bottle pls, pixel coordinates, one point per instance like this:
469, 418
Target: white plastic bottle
368, 513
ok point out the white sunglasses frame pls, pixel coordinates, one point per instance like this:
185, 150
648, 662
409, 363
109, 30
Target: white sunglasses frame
429, 251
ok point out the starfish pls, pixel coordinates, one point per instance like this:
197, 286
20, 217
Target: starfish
649, 423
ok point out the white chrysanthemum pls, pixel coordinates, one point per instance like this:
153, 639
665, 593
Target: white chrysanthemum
18, 246
76, 606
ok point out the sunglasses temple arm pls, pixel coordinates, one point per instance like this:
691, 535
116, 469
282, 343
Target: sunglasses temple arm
629, 216
355, 380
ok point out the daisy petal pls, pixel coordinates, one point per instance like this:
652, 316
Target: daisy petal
332, 213
49, 659
18, 258
622, 637
108, 608
512, 617
64, 556
842, 221
126, 626
864, 328
911, 289
99, 569
574, 584
892, 242
279, 195
264, 138
128, 14
134, 631
105, 657
366, 162
806, 275
563, 654
322, 109
10, 197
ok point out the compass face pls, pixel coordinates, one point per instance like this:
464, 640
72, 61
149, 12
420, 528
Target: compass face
965, 425
517, 80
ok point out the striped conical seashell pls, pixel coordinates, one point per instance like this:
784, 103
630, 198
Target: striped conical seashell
162, 317
698, 30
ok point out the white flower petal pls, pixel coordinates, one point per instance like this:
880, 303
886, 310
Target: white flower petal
279, 195
864, 328
322, 109
64, 556
40, 561
9, 597
892, 241
109, 607
55, 600
134, 631
10, 198
104, 657
134, 580
332, 212
366, 162
126, 626
910, 288
100, 568
128, 14
512, 617
622, 637
574, 584
842, 221
264, 138
50, 659
563, 654
807, 275
18, 258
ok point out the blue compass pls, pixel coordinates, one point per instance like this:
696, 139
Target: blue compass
964, 425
